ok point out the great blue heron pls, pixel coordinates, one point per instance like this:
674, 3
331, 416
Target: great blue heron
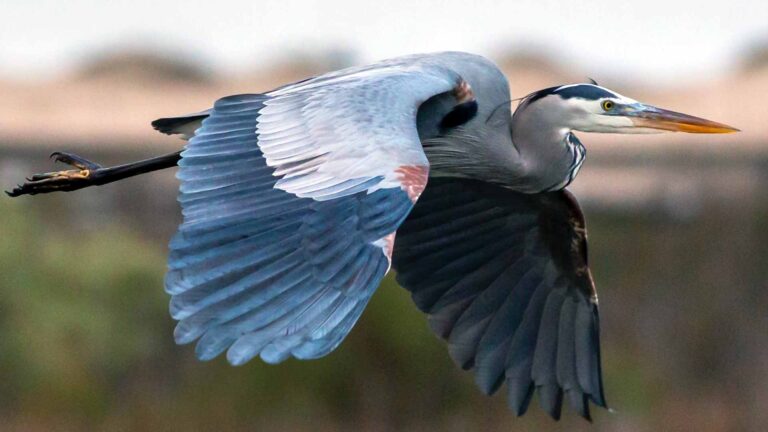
297, 201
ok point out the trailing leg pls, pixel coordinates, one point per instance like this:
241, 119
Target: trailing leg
88, 174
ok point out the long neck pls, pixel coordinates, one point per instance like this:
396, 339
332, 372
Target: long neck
551, 155
523, 152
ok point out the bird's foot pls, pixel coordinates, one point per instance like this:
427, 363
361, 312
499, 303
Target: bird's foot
67, 180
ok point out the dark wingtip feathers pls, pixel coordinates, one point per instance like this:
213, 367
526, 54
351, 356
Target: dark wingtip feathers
550, 340
519, 395
551, 399
579, 402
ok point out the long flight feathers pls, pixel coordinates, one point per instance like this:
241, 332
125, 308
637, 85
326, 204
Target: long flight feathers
290, 201
515, 302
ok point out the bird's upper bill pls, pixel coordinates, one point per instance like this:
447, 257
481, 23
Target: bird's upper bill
650, 117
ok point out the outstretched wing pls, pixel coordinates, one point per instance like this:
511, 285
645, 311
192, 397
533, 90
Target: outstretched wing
505, 280
291, 200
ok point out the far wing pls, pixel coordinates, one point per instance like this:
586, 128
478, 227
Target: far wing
290, 203
505, 281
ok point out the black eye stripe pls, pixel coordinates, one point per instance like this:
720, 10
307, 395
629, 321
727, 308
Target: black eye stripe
583, 91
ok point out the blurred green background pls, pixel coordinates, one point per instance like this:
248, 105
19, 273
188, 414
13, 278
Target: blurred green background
85, 338
677, 224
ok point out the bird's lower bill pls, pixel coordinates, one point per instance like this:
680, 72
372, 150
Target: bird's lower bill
661, 119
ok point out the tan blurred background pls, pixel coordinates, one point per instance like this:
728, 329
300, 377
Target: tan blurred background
679, 239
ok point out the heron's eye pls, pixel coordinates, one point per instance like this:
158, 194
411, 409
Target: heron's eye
608, 105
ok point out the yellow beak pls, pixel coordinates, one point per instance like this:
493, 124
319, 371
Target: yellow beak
657, 118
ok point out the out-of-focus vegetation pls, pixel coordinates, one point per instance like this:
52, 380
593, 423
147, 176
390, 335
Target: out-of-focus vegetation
136, 64
85, 342
85, 338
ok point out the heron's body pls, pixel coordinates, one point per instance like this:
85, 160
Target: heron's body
297, 201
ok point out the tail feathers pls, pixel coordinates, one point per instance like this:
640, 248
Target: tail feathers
185, 125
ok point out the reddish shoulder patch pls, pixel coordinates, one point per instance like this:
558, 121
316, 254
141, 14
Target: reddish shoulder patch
463, 92
413, 179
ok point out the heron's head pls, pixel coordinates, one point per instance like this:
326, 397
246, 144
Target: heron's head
591, 108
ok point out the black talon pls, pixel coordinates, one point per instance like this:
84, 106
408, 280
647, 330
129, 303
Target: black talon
75, 161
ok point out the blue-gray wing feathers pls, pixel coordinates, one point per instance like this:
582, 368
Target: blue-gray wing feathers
291, 200
257, 270
504, 279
